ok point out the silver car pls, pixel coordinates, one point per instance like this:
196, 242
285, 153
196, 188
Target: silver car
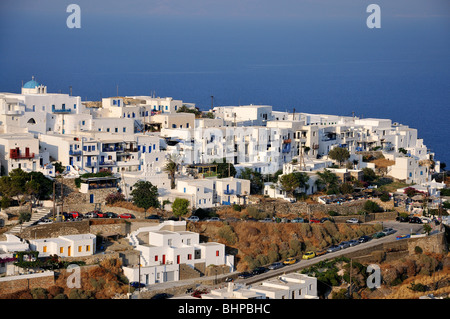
344, 244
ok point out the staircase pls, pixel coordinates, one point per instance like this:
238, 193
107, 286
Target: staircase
35, 216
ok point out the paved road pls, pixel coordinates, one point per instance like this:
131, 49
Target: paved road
401, 228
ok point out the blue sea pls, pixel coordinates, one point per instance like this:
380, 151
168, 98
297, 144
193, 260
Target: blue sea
331, 66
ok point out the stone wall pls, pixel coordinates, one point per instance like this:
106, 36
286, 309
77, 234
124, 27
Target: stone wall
431, 244
15, 283
55, 230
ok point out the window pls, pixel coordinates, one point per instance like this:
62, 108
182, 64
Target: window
83, 122
79, 249
169, 242
156, 257
189, 256
116, 130
217, 253
88, 248
61, 250
44, 249
124, 129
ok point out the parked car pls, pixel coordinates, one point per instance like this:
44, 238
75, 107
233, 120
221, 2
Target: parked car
321, 252
111, 215
101, 215
92, 214
213, 219
193, 219
364, 239
291, 200
290, 261
353, 242
388, 231
343, 245
259, 270
309, 255
402, 219
137, 284
44, 221
275, 265
297, 220
266, 220
333, 248
74, 214
245, 275
126, 216
425, 220
323, 220
153, 217
415, 220
352, 221
315, 221
379, 235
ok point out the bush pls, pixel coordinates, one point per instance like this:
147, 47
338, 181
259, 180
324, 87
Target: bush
114, 198
371, 207
418, 287
385, 197
237, 207
39, 293
333, 213
227, 233
418, 250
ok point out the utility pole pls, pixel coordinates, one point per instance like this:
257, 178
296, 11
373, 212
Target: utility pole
139, 273
212, 102
62, 195
54, 201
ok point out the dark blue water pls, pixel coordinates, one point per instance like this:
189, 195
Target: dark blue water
331, 66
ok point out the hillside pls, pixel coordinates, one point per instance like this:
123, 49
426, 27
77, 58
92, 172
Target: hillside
256, 243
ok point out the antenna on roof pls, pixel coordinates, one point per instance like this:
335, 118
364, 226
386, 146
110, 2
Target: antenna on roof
70, 88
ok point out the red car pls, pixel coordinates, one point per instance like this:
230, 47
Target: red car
315, 220
101, 214
74, 214
126, 215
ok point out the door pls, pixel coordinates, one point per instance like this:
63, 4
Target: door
178, 259
91, 198
164, 259
69, 251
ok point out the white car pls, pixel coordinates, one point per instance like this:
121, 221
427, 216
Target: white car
193, 219
45, 221
425, 220
214, 219
353, 221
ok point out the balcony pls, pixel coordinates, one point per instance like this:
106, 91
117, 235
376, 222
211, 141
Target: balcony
61, 111
228, 191
113, 149
75, 153
107, 163
15, 154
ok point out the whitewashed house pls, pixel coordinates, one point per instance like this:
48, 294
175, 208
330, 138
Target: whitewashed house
164, 247
65, 246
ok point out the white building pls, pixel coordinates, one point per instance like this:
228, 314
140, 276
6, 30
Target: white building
163, 248
12, 245
65, 246
288, 286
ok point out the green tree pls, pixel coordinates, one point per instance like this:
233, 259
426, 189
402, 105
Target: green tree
371, 207
145, 195
225, 169
427, 228
59, 168
290, 182
339, 154
327, 179
255, 178
171, 169
180, 207
369, 174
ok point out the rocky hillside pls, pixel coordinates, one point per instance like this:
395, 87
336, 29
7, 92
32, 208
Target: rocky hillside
256, 243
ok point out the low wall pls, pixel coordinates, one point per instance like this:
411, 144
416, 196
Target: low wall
12, 284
